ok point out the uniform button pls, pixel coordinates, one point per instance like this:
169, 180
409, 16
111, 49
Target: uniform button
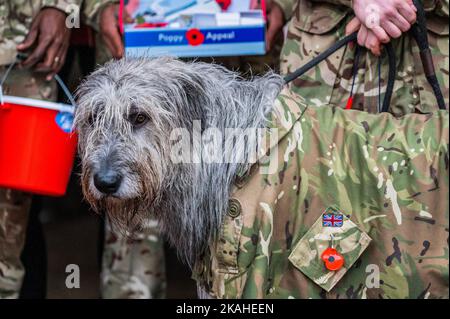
234, 208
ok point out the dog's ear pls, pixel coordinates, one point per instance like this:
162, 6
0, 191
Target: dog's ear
196, 96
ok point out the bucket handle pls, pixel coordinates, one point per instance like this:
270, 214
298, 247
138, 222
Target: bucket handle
56, 76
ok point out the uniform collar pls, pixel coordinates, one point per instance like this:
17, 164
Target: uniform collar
289, 107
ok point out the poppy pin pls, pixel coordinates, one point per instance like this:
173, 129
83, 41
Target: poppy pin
333, 259
195, 37
224, 4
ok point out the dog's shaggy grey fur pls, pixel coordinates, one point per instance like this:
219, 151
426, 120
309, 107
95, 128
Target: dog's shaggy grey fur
188, 199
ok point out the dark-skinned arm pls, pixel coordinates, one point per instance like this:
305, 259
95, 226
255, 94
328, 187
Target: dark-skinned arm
278, 13
103, 15
47, 40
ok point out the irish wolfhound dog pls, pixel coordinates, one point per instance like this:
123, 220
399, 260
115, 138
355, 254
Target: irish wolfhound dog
127, 111
389, 176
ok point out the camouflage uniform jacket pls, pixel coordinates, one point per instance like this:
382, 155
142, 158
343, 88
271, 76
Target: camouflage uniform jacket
389, 179
287, 6
317, 25
320, 16
16, 17
91, 10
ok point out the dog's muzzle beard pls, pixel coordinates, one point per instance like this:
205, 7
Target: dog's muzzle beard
126, 214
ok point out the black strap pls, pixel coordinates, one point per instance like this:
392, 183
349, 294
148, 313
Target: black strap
338, 45
391, 77
311, 64
420, 34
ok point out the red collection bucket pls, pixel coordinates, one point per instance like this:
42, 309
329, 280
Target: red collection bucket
37, 145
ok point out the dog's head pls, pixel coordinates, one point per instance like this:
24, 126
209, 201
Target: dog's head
125, 110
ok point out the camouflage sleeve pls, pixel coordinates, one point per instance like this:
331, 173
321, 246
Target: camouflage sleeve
442, 8
92, 9
68, 6
347, 3
287, 6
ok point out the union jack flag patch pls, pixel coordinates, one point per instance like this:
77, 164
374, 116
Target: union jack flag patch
332, 220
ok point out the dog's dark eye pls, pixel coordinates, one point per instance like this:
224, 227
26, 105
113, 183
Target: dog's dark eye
138, 119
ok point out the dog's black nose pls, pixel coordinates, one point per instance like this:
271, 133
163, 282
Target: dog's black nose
107, 182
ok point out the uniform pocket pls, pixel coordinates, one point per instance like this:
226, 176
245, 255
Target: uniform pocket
333, 230
314, 29
318, 18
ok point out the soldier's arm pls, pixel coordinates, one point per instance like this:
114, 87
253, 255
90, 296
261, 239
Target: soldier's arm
287, 6
102, 15
48, 38
386, 19
67, 6
442, 8
347, 3
91, 11
278, 13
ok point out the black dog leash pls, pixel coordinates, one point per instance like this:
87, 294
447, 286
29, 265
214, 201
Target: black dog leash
419, 33
340, 44
321, 57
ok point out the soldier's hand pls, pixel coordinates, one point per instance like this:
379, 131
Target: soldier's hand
110, 31
48, 40
276, 22
386, 18
366, 37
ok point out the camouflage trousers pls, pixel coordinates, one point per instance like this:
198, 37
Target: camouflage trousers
15, 205
330, 82
133, 268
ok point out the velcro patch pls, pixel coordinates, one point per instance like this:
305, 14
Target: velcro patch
348, 239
